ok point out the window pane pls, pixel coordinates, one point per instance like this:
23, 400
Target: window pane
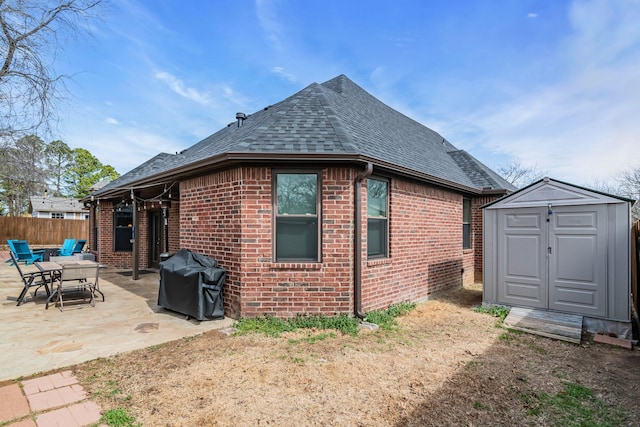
376, 237
376, 198
123, 224
296, 238
297, 193
466, 211
122, 239
466, 236
123, 218
466, 223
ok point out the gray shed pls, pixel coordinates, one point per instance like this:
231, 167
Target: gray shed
559, 247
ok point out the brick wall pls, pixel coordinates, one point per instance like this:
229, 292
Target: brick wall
105, 253
476, 233
228, 215
210, 223
174, 227
426, 255
286, 289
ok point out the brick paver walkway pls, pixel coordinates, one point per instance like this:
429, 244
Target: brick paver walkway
54, 400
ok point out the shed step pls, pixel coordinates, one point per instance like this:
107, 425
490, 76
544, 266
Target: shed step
562, 326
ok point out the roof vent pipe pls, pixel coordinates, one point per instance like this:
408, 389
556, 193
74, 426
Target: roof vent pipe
241, 117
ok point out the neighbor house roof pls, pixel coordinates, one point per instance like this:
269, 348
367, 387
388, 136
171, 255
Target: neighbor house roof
54, 204
329, 122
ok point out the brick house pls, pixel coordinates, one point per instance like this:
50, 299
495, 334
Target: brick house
327, 202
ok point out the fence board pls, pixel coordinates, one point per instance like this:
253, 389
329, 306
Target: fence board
42, 231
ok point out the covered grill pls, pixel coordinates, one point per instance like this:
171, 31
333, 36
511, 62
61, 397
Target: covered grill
191, 284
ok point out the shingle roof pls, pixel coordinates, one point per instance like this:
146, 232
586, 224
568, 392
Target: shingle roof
338, 118
55, 204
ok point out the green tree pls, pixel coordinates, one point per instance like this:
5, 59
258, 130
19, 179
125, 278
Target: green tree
58, 157
84, 171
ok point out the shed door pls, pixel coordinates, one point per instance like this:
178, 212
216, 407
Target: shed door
522, 269
556, 261
578, 260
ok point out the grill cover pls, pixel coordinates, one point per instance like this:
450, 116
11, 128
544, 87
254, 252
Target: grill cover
191, 284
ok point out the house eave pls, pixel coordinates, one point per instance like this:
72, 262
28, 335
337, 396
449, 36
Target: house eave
234, 158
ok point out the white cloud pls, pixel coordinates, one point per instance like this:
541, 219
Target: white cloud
111, 121
532, 15
584, 125
280, 72
181, 89
235, 97
268, 18
108, 146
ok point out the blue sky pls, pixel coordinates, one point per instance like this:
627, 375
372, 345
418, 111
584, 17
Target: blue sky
553, 83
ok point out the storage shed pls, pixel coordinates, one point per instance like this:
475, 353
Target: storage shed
559, 247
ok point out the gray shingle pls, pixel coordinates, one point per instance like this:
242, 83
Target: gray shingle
336, 117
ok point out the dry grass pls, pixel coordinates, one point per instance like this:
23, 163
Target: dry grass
446, 365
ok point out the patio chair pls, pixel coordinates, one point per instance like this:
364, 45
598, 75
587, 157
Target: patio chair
77, 248
35, 279
22, 253
79, 281
67, 247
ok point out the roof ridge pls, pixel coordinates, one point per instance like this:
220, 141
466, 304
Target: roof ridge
334, 119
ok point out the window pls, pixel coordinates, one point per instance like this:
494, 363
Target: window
377, 218
122, 224
57, 215
466, 223
297, 234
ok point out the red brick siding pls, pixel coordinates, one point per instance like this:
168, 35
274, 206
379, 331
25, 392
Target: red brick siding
286, 289
174, 227
210, 218
105, 253
228, 216
425, 237
477, 233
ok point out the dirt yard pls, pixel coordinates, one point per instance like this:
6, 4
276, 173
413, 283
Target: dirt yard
444, 365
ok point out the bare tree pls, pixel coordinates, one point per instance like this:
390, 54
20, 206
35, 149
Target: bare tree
23, 173
518, 174
630, 187
31, 34
58, 157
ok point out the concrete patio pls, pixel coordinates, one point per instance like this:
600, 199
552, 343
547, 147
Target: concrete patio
37, 340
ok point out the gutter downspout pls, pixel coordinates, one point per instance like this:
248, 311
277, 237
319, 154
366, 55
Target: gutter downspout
357, 256
135, 238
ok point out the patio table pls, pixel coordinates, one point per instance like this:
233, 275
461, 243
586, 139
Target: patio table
52, 270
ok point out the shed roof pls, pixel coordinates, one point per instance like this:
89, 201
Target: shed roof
333, 121
550, 191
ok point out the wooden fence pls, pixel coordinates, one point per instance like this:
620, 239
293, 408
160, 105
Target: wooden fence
42, 232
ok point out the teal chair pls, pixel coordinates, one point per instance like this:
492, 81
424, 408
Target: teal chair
67, 247
22, 253
79, 246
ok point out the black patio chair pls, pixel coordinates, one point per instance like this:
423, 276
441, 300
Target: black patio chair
34, 279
